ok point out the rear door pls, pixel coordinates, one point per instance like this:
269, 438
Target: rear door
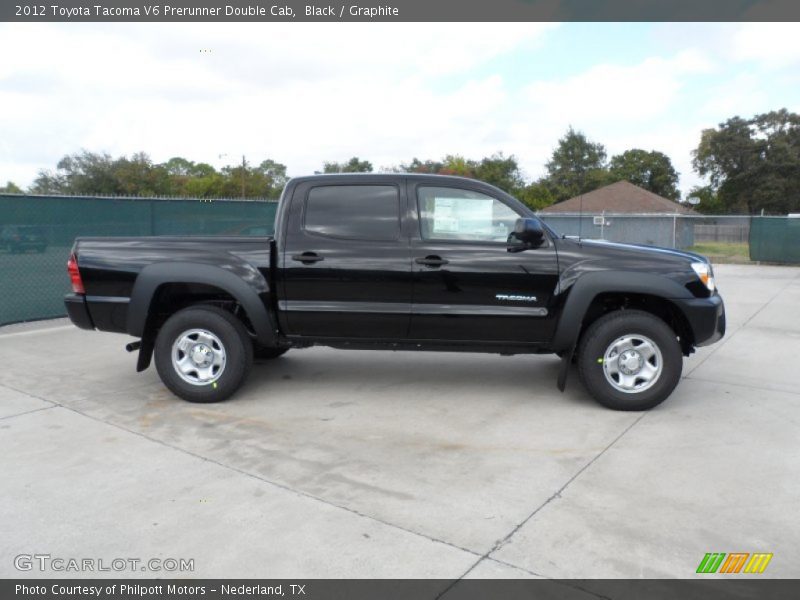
346, 264
467, 286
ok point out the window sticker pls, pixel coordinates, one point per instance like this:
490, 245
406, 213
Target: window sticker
462, 215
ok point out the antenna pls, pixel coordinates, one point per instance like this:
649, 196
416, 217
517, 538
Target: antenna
582, 173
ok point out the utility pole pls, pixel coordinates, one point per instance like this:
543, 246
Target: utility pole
244, 170
244, 166
675, 229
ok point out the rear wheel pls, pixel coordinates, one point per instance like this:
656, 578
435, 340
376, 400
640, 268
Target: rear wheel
203, 354
629, 360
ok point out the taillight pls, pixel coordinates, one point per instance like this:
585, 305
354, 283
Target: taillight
75, 275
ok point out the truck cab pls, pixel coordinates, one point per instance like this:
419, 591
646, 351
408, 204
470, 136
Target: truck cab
414, 258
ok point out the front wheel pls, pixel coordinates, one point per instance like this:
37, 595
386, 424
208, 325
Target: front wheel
629, 360
203, 354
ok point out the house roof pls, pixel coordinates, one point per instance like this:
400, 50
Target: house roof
620, 197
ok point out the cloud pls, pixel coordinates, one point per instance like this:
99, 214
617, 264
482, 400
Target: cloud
609, 91
305, 93
299, 94
774, 45
765, 46
622, 106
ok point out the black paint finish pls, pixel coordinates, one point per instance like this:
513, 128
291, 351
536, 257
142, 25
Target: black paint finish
368, 277
371, 266
469, 289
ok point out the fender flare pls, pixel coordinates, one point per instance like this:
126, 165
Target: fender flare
589, 285
153, 276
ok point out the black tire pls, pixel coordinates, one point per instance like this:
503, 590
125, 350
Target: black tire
264, 353
603, 333
235, 342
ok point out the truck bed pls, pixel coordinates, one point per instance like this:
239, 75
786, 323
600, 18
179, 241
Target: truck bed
110, 267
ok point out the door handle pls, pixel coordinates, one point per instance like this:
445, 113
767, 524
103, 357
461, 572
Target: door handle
307, 258
431, 261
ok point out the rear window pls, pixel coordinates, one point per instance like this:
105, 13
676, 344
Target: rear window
356, 212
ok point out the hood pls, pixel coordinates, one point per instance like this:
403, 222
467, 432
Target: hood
644, 250
577, 256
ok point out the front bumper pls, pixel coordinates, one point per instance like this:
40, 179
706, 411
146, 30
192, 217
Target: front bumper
706, 317
78, 311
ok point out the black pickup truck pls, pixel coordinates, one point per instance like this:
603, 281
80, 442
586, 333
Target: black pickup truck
400, 262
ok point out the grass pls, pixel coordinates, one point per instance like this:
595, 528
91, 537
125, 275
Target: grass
723, 251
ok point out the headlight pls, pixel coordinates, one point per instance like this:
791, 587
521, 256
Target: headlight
706, 274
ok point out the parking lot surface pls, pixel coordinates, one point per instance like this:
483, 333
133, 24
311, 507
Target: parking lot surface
412, 465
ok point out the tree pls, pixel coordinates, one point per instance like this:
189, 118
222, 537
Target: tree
753, 164
354, 165
177, 166
211, 185
87, 173
418, 166
709, 202
535, 195
10, 188
650, 170
499, 170
266, 180
455, 164
138, 176
81, 173
193, 180
576, 166
275, 178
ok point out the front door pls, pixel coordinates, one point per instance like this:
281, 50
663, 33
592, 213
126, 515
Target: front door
467, 285
346, 267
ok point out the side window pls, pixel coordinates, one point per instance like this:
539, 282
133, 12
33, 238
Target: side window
455, 214
356, 212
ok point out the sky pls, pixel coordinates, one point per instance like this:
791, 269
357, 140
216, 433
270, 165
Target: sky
305, 93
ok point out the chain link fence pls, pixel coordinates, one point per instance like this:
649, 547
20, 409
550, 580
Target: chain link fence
722, 238
37, 233
665, 230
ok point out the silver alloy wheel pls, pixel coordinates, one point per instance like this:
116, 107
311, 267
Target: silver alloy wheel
632, 363
198, 357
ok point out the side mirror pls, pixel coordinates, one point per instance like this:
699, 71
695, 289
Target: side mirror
527, 231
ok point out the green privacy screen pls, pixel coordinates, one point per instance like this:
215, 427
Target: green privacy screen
37, 232
775, 239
